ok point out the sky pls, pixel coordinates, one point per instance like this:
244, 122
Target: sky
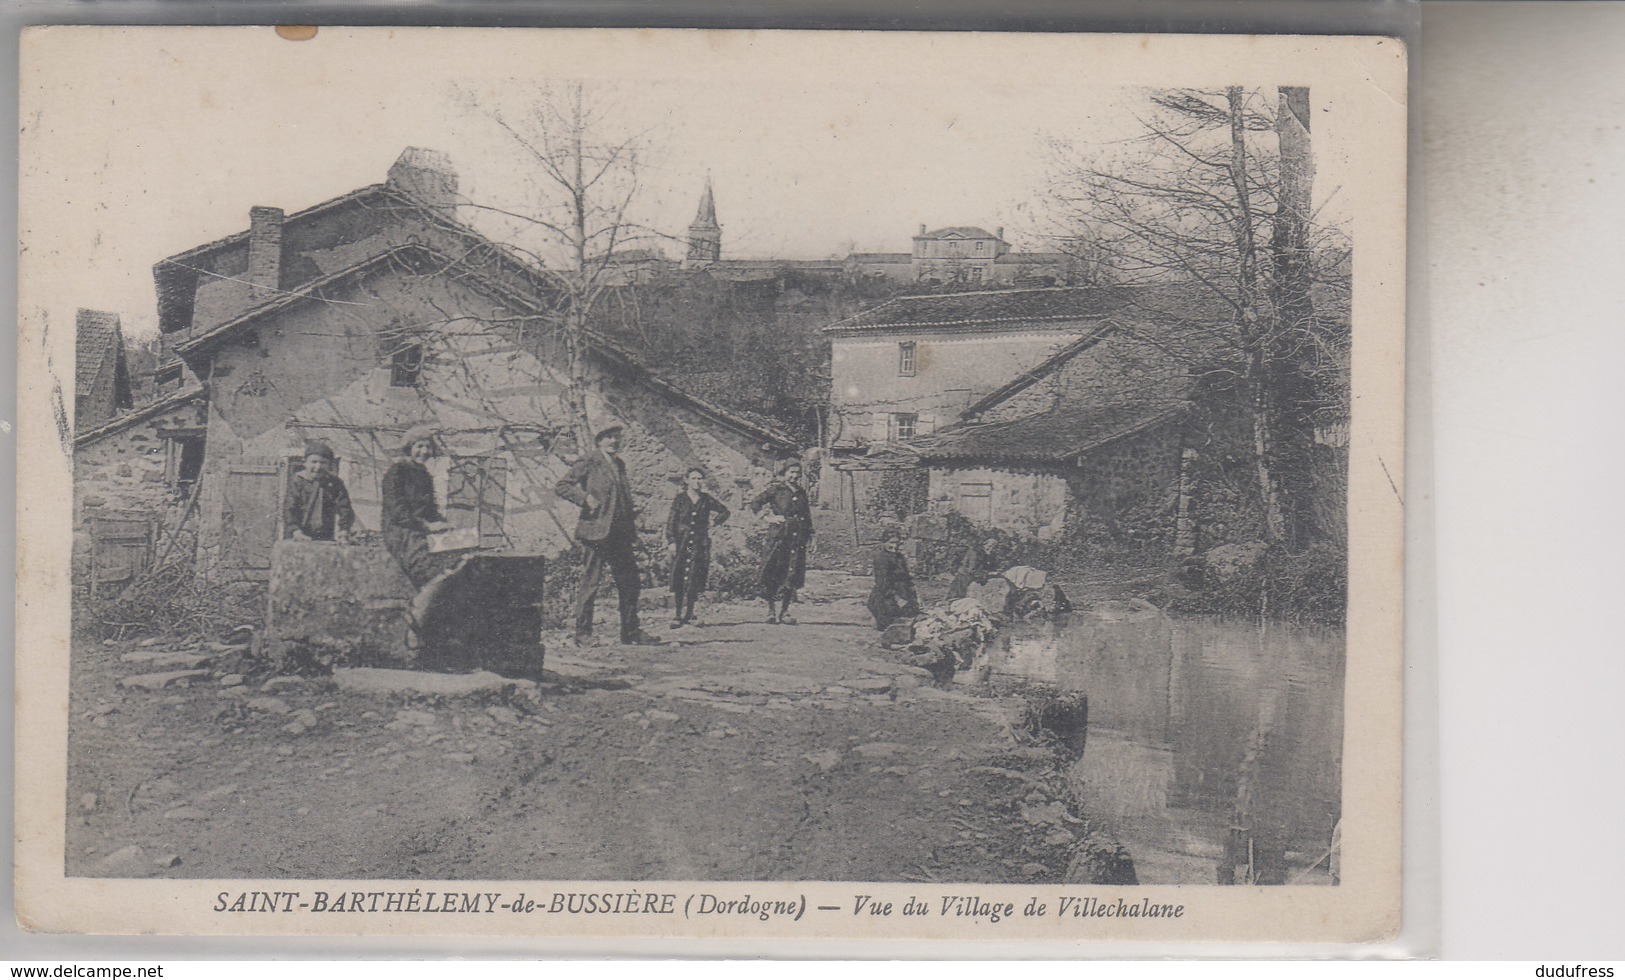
139, 143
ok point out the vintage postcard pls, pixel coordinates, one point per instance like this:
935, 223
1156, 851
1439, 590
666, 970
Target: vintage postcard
667, 485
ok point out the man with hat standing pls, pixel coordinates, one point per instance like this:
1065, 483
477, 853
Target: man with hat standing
318, 506
607, 530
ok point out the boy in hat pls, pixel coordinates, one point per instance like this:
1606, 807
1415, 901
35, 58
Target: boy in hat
607, 530
318, 505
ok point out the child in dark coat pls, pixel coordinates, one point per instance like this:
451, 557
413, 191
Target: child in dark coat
892, 598
318, 506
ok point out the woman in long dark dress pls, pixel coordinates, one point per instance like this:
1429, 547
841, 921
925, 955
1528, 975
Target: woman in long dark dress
410, 513
789, 520
688, 536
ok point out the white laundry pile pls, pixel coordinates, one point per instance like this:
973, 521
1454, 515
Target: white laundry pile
1026, 577
960, 628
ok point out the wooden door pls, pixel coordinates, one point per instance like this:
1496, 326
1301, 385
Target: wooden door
251, 516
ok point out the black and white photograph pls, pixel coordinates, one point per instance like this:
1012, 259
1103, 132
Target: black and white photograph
711, 484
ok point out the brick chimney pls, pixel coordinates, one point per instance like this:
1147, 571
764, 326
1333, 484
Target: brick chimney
265, 247
426, 176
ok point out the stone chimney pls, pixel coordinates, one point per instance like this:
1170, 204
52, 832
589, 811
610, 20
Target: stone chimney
426, 176
265, 247
922, 231
999, 233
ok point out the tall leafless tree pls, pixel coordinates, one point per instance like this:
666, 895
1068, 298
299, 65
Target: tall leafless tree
1215, 195
575, 215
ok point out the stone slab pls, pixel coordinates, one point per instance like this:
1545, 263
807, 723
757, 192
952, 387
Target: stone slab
157, 659
159, 681
382, 680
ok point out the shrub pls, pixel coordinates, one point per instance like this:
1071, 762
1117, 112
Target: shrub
171, 600
1311, 587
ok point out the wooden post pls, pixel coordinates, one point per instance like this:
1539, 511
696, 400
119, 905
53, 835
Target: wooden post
1184, 523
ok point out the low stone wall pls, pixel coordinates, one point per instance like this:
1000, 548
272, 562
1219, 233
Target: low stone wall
333, 604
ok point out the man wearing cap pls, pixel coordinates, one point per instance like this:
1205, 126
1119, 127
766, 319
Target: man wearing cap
607, 530
318, 505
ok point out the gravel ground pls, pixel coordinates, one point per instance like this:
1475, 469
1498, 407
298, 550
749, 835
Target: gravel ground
738, 751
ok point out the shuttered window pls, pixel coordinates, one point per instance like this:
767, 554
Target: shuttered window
976, 502
477, 496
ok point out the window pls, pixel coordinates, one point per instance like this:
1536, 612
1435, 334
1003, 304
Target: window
183, 456
981, 248
167, 376
904, 425
905, 359
406, 366
975, 273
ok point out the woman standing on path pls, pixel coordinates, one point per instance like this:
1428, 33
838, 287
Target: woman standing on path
789, 519
688, 538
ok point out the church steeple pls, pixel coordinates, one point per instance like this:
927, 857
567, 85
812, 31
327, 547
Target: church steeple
705, 235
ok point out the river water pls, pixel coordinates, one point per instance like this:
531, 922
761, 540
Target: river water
1214, 748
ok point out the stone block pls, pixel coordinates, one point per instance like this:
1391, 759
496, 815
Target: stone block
374, 680
343, 602
158, 659
159, 681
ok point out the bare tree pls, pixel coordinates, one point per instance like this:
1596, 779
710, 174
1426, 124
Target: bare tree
1215, 197
575, 219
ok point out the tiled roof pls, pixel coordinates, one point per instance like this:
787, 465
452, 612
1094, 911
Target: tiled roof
1058, 436
190, 393
101, 376
97, 340
423, 256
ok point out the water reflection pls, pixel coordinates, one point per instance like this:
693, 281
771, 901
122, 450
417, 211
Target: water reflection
1215, 747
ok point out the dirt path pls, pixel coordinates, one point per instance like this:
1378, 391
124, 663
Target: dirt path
742, 751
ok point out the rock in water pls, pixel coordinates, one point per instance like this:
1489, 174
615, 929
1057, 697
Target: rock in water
898, 635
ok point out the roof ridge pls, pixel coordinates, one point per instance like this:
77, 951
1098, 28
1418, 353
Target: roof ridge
601, 342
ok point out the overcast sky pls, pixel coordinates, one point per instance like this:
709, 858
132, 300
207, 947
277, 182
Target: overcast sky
140, 143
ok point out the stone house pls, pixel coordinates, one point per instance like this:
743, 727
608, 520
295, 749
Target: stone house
365, 315
1098, 429
134, 465
912, 366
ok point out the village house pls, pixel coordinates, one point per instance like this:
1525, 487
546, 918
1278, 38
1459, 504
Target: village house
1020, 409
365, 315
915, 363
134, 463
1096, 430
